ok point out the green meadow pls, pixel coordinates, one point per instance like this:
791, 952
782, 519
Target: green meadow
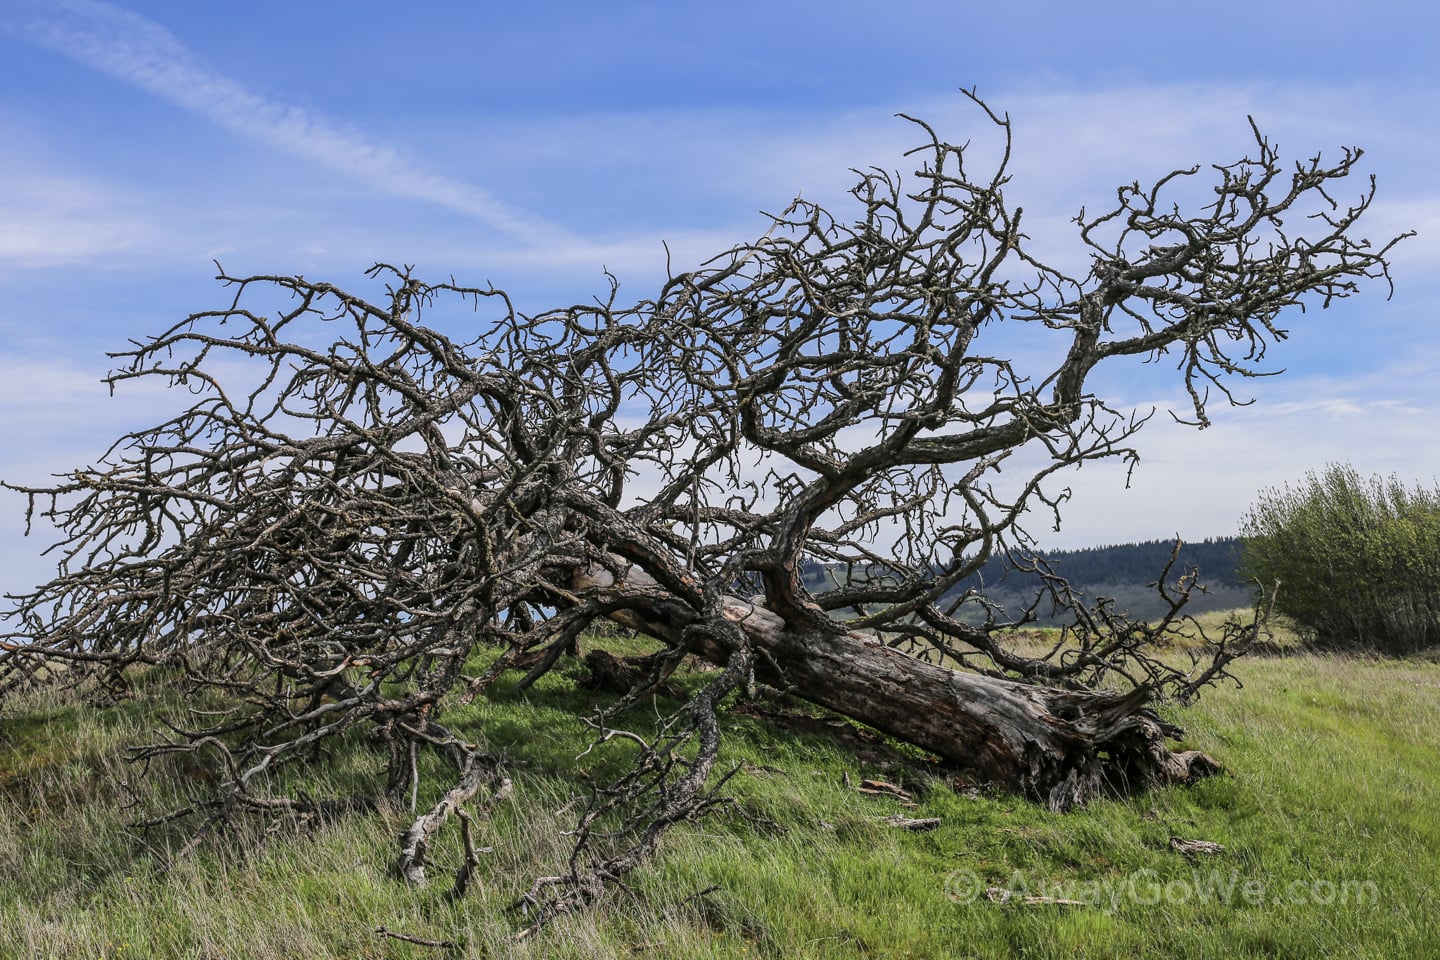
1328, 816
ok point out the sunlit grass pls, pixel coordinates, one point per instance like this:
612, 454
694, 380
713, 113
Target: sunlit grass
1325, 811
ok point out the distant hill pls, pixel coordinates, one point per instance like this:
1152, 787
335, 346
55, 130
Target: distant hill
1217, 559
1124, 572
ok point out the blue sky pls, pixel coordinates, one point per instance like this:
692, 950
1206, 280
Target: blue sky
535, 145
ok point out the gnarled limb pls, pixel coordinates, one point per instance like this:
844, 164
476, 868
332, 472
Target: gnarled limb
480, 771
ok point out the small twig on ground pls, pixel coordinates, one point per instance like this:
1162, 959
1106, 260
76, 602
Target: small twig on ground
421, 941
697, 895
882, 788
1003, 896
472, 856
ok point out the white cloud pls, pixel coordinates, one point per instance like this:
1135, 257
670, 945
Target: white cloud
653, 170
1392, 216
1199, 483
693, 177
56, 417
48, 220
58, 414
141, 52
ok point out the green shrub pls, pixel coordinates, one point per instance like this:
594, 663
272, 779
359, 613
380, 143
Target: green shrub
1358, 560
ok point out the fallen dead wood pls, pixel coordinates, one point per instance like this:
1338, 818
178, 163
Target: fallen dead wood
1002, 896
906, 823
1193, 848
419, 941
877, 788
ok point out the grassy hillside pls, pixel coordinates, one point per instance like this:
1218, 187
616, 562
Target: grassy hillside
1326, 815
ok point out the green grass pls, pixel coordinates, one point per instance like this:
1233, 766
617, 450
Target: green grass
1327, 812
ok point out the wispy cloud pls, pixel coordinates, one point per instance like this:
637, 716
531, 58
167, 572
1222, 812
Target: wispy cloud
1198, 483
141, 52
696, 177
1072, 149
48, 220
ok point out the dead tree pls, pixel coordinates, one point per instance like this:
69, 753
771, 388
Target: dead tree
787, 462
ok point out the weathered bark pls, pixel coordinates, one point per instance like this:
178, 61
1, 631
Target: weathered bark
1059, 746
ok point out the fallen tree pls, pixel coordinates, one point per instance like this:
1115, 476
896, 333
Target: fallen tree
1055, 744
785, 462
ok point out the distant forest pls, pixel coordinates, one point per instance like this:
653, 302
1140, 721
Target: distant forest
1136, 564
1123, 572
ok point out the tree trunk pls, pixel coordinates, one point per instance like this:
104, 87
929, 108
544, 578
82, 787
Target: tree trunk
1060, 747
